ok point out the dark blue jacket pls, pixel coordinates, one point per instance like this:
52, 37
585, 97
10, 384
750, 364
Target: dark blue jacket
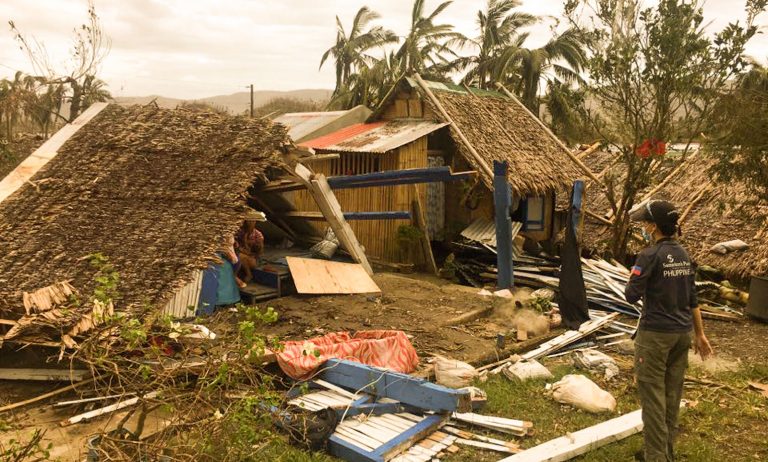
663, 277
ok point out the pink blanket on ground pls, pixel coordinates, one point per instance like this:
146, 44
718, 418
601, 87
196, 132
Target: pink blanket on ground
389, 349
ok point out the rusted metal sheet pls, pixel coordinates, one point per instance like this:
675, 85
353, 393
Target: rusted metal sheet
377, 137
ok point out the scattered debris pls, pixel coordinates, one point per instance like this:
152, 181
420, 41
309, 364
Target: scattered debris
578, 391
500, 424
596, 361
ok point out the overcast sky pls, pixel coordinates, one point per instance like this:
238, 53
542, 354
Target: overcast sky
198, 48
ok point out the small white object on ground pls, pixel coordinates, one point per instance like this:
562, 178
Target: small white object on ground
578, 391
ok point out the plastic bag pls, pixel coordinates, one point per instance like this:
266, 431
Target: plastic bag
578, 391
453, 373
327, 247
596, 361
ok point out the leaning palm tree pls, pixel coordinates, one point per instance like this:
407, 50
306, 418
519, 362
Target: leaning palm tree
350, 50
499, 28
561, 59
428, 47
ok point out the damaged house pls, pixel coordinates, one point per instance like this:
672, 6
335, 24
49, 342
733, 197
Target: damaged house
431, 126
145, 194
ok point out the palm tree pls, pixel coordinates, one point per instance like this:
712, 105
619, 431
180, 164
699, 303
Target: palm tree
428, 46
498, 29
12, 103
559, 60
370, 84
350, 50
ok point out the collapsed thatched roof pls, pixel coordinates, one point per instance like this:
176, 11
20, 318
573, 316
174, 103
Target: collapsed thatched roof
501, 129
154, 190
718, 212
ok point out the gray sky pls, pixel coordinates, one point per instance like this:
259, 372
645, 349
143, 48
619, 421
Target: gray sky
198, 48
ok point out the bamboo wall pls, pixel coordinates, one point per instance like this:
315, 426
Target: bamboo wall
379, 237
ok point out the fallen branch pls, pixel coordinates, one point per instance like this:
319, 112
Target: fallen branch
45, 396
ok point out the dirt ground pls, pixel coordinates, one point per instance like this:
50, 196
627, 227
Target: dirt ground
419, 305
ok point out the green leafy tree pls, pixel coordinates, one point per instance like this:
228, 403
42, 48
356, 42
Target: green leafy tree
739, 131
655, 76
350, 52
280, 106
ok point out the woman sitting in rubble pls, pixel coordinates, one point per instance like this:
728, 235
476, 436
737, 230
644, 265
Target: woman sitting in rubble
228, 291
249, 244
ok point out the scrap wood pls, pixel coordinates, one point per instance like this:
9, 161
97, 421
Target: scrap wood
580, 442
761, 387
45, 395
47, 297
491, 360
314, 276
470, 316
107, 409
509, 445
502, 424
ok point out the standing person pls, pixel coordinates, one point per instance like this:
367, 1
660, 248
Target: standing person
250, 246
663, 278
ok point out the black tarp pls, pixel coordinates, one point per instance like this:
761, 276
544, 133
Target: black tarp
573, 294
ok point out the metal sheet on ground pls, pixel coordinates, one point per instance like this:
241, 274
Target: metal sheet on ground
313, 276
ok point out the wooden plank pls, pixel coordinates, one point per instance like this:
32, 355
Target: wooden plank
312, 276
401, 387
329, 205
27, 169
582, 441
420, 221
70, 375
410, 436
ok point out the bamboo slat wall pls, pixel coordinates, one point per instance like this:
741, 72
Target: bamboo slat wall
379, 237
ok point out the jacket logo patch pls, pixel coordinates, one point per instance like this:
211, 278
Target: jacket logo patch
637, 271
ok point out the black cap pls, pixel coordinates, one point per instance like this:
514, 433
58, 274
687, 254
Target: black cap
661, 212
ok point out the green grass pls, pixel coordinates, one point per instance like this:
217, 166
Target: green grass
728, 423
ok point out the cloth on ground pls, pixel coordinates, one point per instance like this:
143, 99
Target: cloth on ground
389, 349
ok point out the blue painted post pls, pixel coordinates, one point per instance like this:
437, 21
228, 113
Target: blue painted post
502, 199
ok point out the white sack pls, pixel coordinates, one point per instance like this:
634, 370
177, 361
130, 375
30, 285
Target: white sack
578, 391
526, 370
453, 373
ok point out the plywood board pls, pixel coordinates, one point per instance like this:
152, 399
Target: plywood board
313, 276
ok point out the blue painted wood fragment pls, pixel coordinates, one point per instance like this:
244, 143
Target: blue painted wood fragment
409, 390
502, 200
353, 453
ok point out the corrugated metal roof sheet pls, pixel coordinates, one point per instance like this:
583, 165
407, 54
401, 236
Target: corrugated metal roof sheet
484, 231
378, 137
302, 123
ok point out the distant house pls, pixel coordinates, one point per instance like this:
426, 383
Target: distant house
409, 131
155, 191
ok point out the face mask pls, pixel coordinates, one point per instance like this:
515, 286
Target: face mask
645, 234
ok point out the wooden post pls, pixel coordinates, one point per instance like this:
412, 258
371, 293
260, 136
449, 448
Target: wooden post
502, 199
570, 154
421, 224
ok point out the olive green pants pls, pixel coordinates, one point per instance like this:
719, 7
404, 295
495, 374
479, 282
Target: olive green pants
660, 363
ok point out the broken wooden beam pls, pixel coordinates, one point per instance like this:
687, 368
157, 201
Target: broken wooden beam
407, 389
329, 206
107, 409
421, 224
350, 216
50, 394
52, 375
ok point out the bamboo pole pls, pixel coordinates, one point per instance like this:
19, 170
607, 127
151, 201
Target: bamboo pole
479, 159
666, 180
45, 395
570, 154
594, 147
703, 190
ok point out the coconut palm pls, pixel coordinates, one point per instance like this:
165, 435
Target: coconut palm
561, 59
499, 28
428, 47
350, 50
370, 84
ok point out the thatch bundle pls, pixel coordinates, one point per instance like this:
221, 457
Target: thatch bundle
714, 212
500, 129
154, 190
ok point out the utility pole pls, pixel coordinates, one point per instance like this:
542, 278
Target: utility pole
251, 100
